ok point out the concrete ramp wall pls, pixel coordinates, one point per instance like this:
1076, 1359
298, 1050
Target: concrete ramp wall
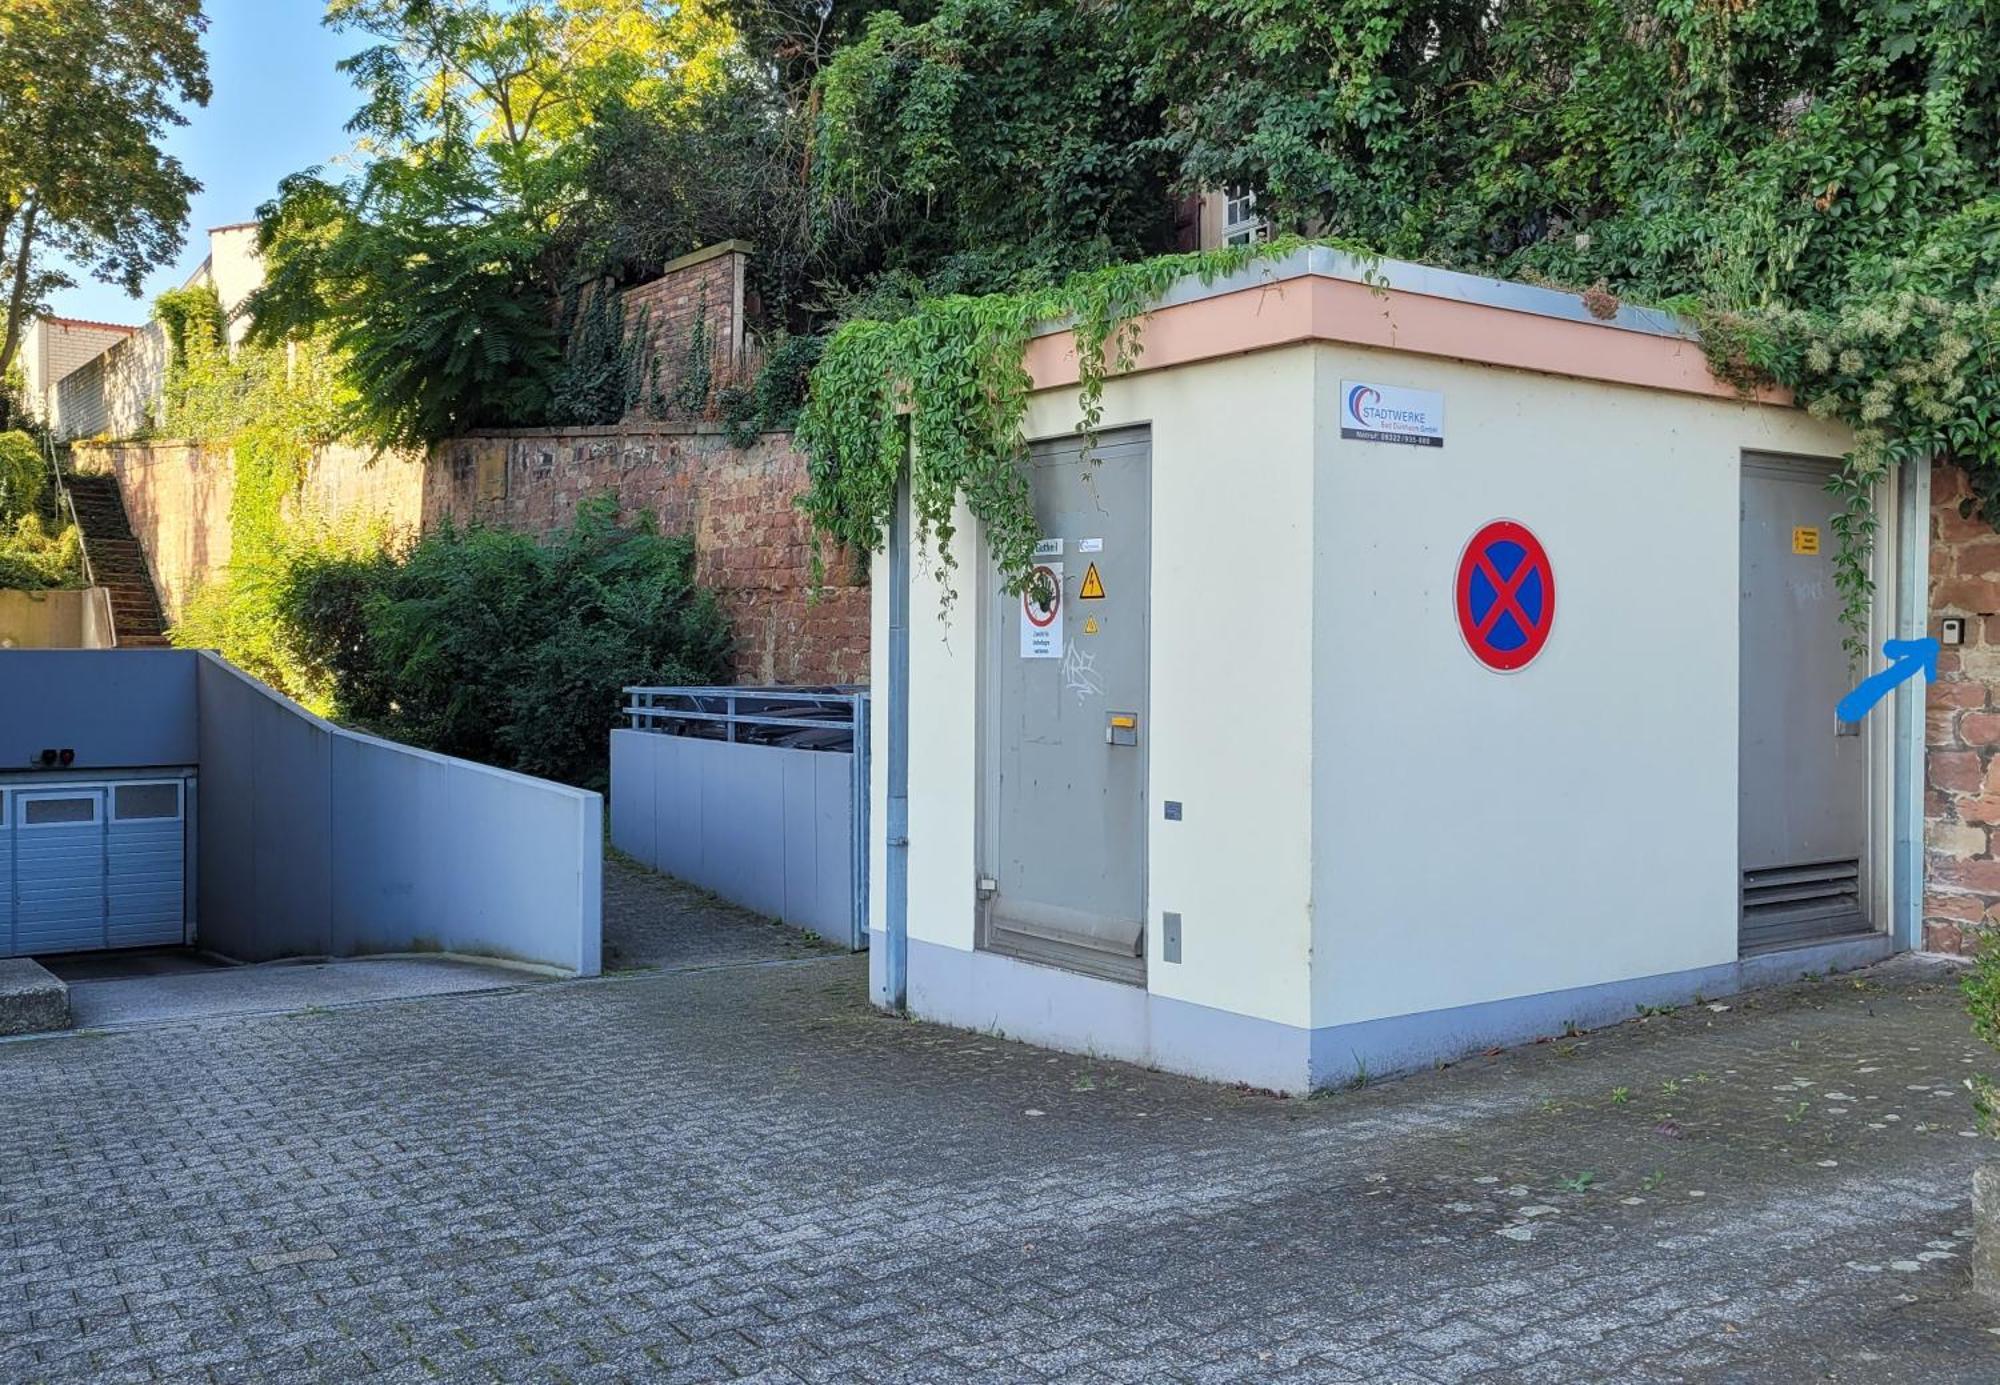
317, 841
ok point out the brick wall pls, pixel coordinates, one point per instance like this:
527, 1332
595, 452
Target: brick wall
751, 542
1962, 789
704, 288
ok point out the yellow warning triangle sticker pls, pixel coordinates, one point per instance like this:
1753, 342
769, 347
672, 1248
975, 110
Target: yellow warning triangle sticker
1093, 585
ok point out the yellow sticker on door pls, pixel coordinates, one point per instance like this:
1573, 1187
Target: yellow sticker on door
1093, 585
1805, 539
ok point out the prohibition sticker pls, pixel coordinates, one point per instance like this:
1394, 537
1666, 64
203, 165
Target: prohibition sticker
1042, 625
1506, 596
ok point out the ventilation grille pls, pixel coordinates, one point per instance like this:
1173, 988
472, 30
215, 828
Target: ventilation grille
1786, 905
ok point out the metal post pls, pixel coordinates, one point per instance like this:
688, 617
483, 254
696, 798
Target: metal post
862, 842
897, 855
1912, 621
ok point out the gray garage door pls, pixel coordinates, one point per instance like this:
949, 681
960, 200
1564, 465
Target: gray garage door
91, 866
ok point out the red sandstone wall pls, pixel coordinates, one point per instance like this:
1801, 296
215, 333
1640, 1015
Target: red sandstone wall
751, 542
1962, 788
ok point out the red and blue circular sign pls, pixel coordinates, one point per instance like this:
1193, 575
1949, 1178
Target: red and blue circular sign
1506, 596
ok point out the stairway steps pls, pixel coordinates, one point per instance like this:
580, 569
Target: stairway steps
117, 560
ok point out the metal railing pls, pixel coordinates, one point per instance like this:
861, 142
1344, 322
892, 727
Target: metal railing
67, 507
825, 718
830, 719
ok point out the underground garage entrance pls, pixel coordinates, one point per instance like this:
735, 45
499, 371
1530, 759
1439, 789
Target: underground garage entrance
162, 799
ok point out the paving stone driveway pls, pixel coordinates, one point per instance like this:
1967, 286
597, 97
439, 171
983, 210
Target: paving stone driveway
741, 1171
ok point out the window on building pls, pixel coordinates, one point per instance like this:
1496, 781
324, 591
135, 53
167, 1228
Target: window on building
1240, 223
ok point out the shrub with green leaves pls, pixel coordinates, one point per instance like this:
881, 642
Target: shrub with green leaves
1981, 988
23, 475
32, 558
482, 643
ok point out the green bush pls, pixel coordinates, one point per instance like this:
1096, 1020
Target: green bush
481, 643
1981, 988
33, 559
24, 475
771, 404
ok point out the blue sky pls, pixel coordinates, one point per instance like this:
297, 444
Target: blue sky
278, 107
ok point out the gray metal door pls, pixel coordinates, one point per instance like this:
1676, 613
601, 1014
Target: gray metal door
146, 865
58, 870
1803, 774
1064, 768
9, 809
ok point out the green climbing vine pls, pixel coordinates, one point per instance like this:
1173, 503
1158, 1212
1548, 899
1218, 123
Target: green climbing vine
270, 406
1908, 361
945, 387
1910, 364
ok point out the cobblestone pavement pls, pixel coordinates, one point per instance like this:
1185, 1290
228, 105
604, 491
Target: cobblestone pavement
744, 1172
654, 920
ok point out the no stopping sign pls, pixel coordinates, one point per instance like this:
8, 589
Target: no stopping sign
1506, 596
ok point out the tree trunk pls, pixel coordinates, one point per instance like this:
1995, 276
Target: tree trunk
23, 260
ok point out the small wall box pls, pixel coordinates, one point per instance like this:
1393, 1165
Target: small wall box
1951, 630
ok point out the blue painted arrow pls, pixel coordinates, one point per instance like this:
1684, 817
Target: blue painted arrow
1906, 656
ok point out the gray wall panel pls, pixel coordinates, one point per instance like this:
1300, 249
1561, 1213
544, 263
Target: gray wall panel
677, 807
833, 831
767, 828
435, 853
319, 841
632, 826
262, 821
117, 708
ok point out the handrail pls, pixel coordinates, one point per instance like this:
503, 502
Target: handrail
747, 705
67, 502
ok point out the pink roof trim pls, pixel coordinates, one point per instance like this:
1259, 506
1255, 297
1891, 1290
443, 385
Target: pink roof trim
86, 322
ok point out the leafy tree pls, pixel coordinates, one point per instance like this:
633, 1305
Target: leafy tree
86, 92
443, 320
32, 555
730, 164
999, 142
432, 269
193, 319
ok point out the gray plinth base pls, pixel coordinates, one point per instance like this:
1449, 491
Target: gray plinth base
1986, 1233
31, 1000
